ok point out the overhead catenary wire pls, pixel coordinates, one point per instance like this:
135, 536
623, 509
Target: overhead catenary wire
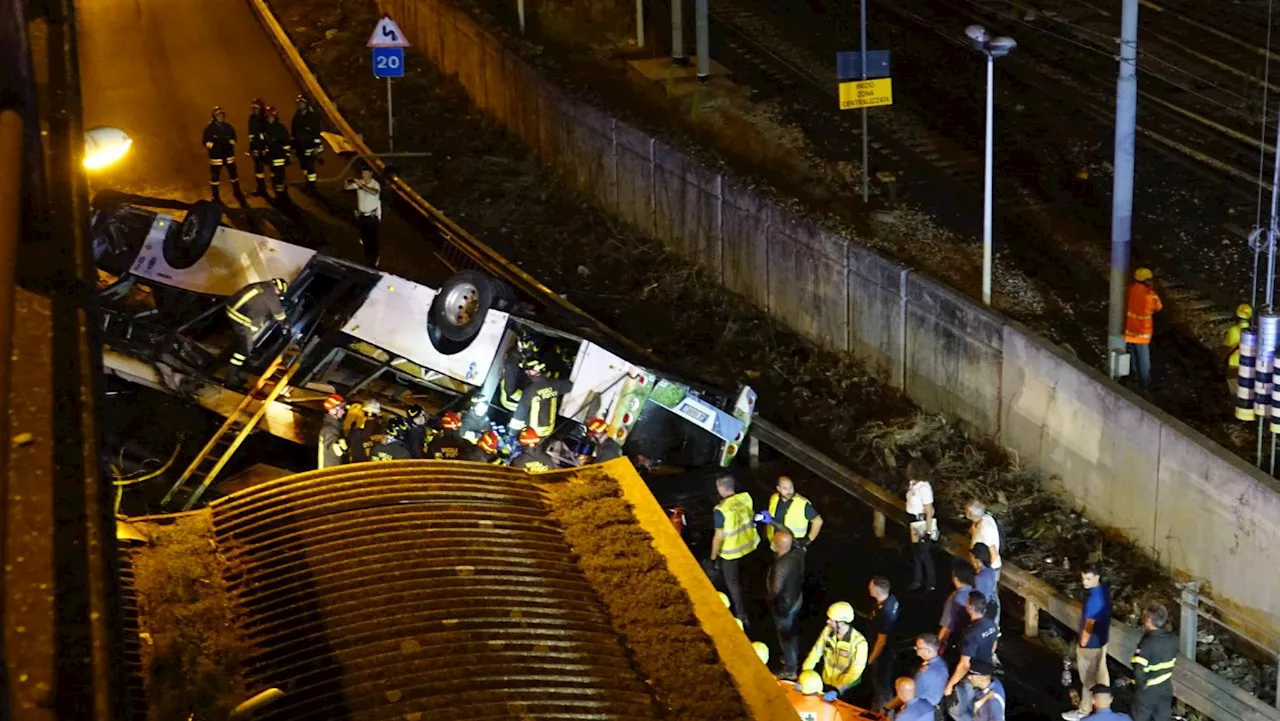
1262, 161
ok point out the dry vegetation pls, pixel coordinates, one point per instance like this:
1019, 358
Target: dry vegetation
489, 184
192, 649
646, 603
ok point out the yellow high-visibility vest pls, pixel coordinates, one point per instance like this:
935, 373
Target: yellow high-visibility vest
843, 659
795, 520
739, 531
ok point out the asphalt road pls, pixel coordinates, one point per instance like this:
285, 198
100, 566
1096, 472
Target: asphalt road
156, 68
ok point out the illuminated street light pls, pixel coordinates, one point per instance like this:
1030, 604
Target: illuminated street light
104, 145
993, 48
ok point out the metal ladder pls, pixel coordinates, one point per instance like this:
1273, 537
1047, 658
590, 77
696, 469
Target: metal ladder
218, 451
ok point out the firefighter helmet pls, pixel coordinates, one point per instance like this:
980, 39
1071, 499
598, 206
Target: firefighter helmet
529, 437
333, 401
762, 651
597, 425
372, 407
1142, 274
450, 421
282, 285
257, 105
1244, 311
302, 98
810, 683
414, 412
396, 429
840, 611
217, 110
272, 113
488, 442
532, 364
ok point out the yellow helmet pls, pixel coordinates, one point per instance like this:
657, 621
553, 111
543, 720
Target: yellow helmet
840, 611
1244, 311
762, 650
1143, 274
810, 683
724, 598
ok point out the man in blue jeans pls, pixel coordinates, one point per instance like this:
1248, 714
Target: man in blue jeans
1095, 632
785, 586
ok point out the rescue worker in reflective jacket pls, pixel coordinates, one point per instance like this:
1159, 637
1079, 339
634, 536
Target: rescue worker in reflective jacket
1231, 346
792, 511
539, 406
841, 649
602, 448
510, 384
1139, 326
220, 143
450, 445
307, 143
735, 537
1153, 664
258, 144
277, 152
362, 425
389, 445
491, 446
332, 446
252, 311
532, 457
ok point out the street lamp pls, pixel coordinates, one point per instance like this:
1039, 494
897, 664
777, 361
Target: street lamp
104, 145
993, 48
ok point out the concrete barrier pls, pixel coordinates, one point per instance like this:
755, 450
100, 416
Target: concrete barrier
1127, 466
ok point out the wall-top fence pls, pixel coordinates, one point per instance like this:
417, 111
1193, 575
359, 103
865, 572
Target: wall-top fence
1128, 466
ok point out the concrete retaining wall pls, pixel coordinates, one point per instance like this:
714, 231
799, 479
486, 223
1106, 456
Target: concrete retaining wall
1122, 462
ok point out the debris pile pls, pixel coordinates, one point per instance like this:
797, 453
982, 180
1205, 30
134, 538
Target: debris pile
646, 603
192, 651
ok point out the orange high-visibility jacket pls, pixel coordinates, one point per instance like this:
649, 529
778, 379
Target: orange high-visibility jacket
1143, 303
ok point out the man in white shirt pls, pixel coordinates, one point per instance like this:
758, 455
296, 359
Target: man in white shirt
368, 212
983, 529
923, 526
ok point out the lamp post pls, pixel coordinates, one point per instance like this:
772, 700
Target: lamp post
993, 48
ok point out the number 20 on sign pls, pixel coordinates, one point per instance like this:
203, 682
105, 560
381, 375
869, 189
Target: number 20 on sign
866, 93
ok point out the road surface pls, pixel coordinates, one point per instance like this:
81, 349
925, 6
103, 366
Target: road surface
156, 68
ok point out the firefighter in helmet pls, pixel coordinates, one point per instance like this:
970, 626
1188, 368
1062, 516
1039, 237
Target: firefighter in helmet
450, 445
254, 310
532, 457
258, 144
490, 444
333, 447
390, 446
278, 148
220, 143
602, 448
307, 143
512, 381
1231, 345
539, 405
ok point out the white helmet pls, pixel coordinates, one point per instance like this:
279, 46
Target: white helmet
372, 407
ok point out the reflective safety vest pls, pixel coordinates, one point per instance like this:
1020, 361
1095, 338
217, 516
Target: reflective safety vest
1231, 342
539, 407
843, 658
1154, 659
1141, 306
253, 305
796, 522
739, 533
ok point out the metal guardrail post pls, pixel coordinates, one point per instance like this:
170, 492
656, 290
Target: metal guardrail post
1189, 628
877, 523
1030, 619
753, 451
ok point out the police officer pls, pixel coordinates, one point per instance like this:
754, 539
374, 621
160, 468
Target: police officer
258, 144
989, 698
841, 649
792, 511
277, 152
1102, 698
220, 142
450, 445
735, 537
539, 405
532, 457
307, 143
880, 631
602, 448
252, 311
1153, 664
333, 447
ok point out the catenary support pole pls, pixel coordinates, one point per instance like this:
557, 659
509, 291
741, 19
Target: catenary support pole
1271, 229
862, 50
1122, 183
391, 128
677, 33
520, 12
639, 23
987, 184
703, 38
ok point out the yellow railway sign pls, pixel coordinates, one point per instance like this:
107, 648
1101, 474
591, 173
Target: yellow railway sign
856, 94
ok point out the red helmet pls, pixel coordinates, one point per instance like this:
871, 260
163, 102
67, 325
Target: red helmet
597, 425
488, 442
529, 437
257, 105
272, 112
333, 401
451, 421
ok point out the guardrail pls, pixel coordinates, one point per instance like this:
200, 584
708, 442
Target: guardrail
1194, 684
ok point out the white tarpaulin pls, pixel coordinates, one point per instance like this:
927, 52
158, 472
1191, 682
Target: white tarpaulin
234, 259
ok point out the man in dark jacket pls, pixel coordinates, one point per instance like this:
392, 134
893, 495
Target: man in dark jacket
220, 143
415, 436
1153, 663
258, 144
307, 143
278, 148
786, 596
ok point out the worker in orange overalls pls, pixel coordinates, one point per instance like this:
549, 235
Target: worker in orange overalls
1143, 303
805, 696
